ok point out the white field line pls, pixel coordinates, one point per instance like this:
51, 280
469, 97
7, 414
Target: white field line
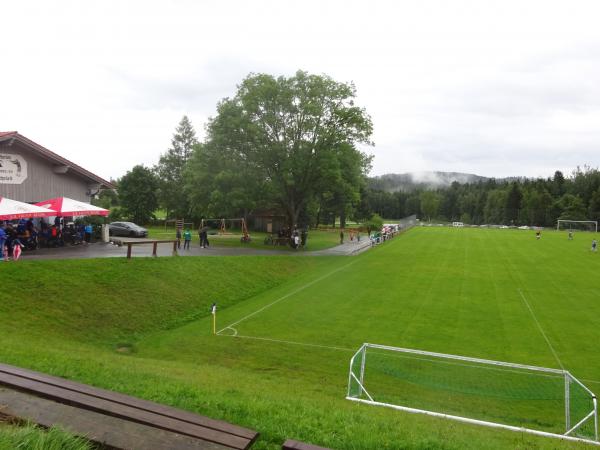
289, 294
541, 329
232, 329
279, 341
344, 349
474, 366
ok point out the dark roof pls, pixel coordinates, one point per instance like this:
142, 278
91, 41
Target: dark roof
51, 156
266, 213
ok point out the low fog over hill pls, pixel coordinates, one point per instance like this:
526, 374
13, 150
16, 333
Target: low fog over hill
407, 181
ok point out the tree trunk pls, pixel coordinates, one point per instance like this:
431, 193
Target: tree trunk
343, 218
292, 216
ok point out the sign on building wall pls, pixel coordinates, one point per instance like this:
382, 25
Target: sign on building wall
13, 169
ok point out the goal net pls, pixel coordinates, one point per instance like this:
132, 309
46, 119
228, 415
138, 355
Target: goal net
518, 397
577, 225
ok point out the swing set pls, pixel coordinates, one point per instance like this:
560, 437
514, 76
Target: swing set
228, 224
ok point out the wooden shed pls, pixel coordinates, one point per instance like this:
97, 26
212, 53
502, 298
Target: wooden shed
267, 220
31, 173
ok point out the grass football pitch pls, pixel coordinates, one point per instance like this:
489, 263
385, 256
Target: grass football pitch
288, 326
483, 293
493, 294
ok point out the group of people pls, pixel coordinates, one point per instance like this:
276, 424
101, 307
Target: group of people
386, 233
25, 234
297, 238
14, 237
353, 234
186, 235
594, 242
60, 233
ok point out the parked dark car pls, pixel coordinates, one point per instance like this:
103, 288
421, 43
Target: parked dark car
126, 229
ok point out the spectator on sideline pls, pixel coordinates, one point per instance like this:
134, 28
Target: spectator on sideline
87, 233
204, 239
178, 237
187, 238
341, 236
3, 249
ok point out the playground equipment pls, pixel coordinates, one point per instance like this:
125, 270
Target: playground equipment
179, 224
229, 224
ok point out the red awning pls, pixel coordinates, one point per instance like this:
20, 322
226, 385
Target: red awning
12, 209
63, 206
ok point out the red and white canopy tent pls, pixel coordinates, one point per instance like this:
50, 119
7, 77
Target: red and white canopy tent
12, 209
66, 207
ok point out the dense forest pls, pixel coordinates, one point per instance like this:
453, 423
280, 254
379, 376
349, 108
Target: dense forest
524, 201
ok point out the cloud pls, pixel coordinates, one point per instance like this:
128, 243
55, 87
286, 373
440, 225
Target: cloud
528, 117
195, 88
504, 88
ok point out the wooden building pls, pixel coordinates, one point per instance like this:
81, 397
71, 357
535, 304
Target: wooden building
31, 173
269, 221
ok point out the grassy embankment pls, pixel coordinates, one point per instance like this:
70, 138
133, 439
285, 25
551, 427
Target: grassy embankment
30, 437
143, 327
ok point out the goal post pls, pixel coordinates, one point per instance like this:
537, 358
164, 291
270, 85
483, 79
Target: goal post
532, 399
582, 225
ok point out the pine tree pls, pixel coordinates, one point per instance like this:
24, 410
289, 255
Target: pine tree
513, 204
171, 167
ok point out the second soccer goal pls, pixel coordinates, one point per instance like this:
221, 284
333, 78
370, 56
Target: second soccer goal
577, 225
519, 397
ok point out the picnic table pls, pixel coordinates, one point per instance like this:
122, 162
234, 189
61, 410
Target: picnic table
130, 242
277, 240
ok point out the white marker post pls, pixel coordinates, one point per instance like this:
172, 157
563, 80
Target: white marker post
213, 310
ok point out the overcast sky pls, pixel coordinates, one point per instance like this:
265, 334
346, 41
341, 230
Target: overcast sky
497, 88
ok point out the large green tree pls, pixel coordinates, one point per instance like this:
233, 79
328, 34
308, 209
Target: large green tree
514, 198
137, 194
594, 208
430, 203
291, 138
494, 206
221, 184
571, 207
340, 193
171, 167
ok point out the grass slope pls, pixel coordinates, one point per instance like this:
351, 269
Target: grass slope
108, 301
446, 290
30, 437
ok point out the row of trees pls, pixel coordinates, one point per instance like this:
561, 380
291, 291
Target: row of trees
512, 202
290, 145
285, 144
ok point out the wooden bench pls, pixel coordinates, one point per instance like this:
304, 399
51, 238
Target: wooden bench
111, 418
282, 241
296, 445
131, 242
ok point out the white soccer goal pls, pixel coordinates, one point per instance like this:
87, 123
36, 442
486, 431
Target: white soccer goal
582, 225
537, 400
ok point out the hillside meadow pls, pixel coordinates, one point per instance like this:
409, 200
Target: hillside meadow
143, 327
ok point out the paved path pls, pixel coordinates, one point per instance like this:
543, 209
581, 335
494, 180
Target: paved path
102, 250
